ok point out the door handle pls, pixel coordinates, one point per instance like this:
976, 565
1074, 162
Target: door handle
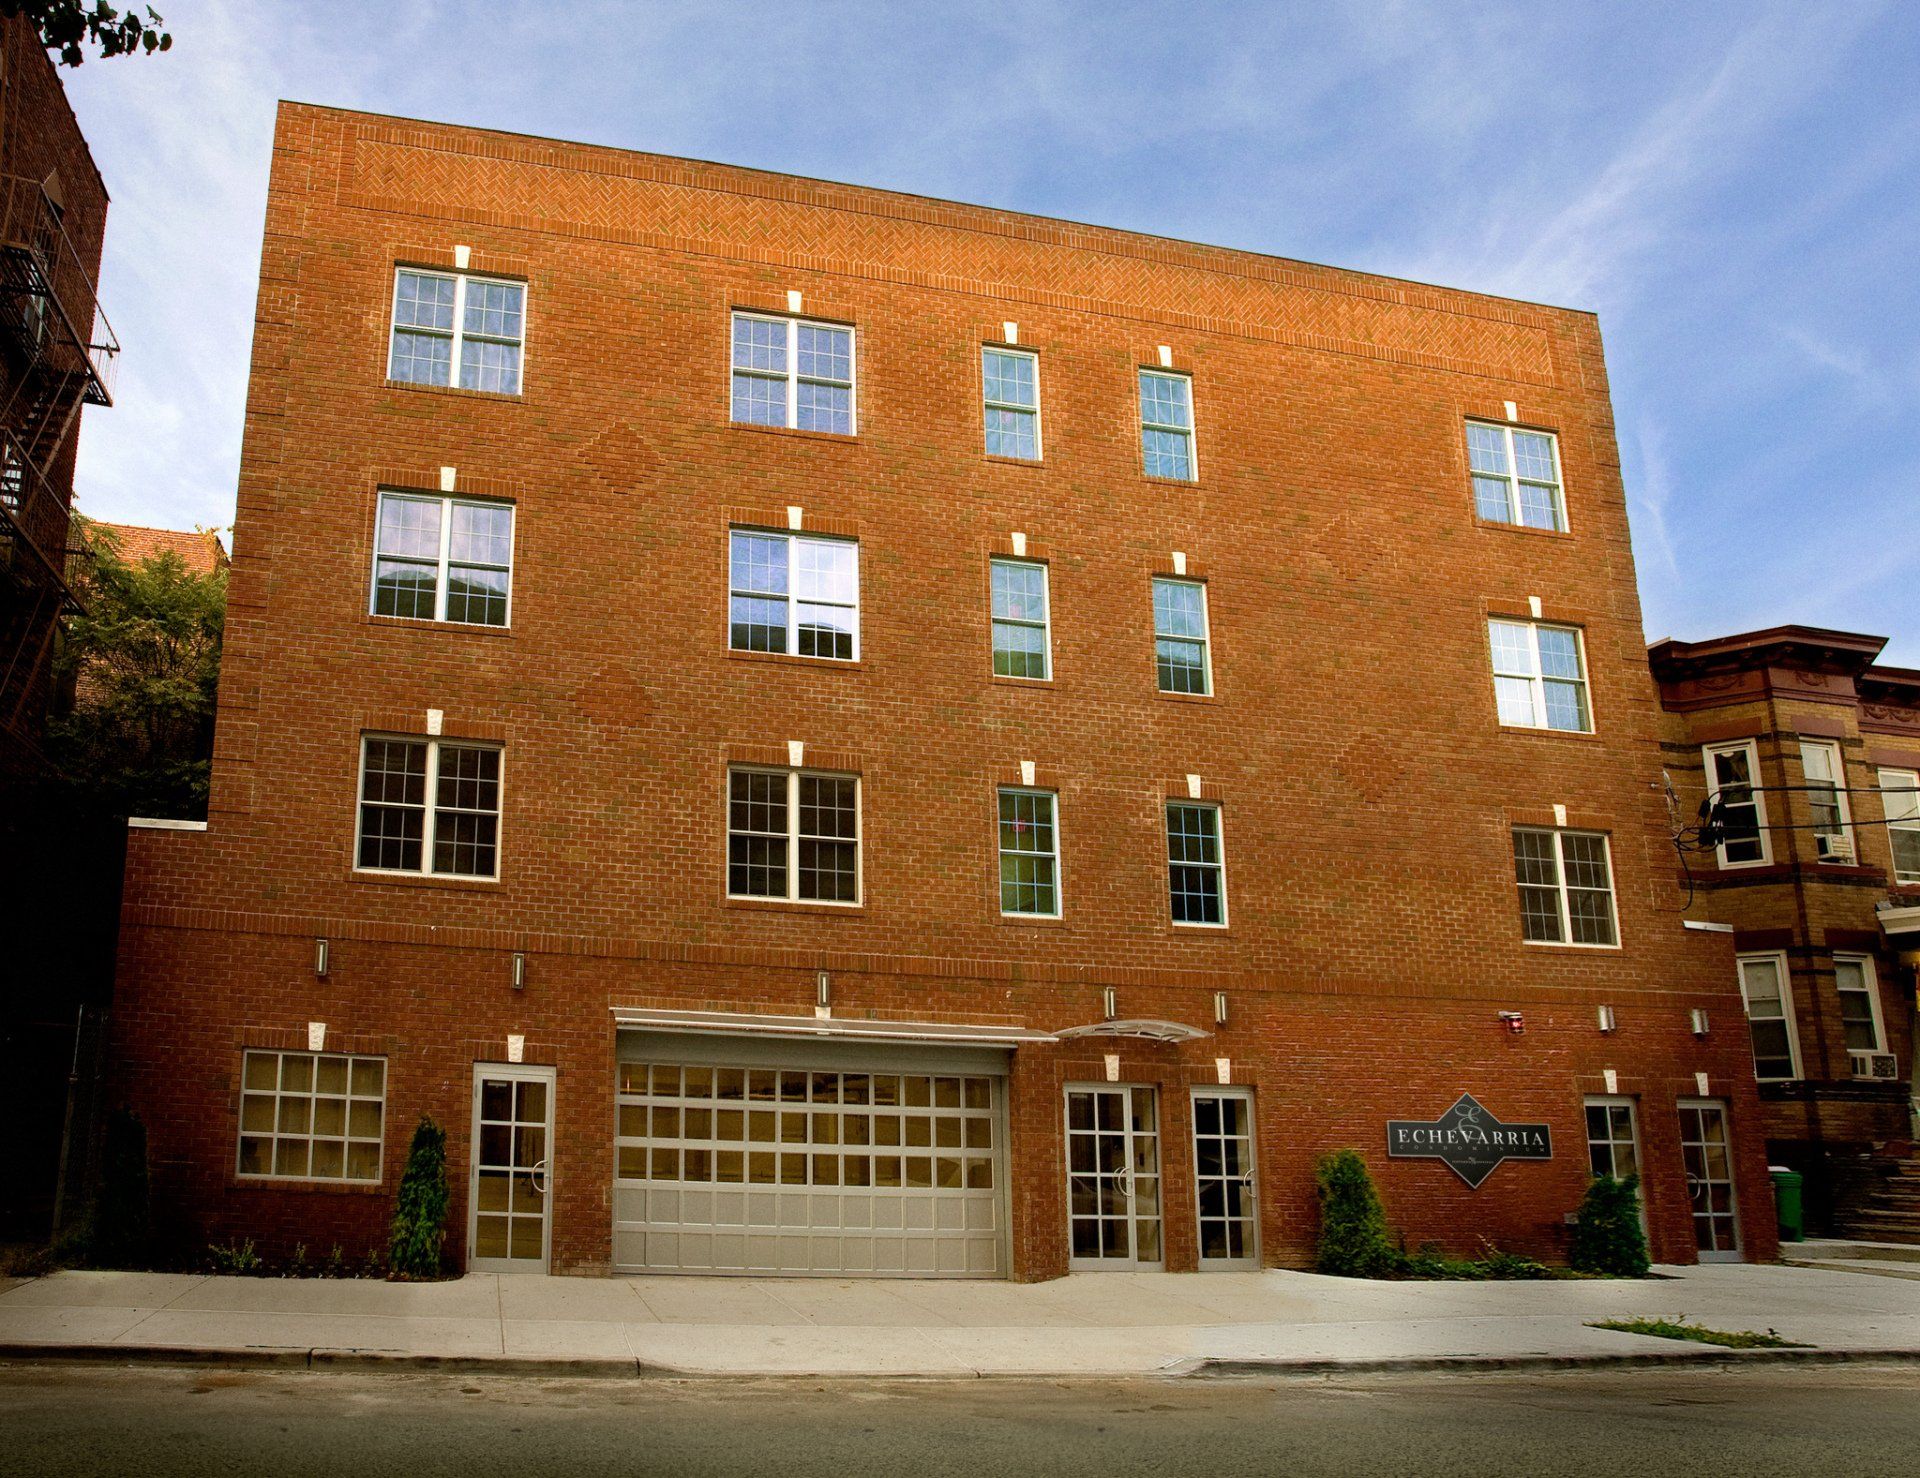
538, 1175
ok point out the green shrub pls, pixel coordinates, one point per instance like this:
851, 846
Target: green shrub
1353, 1224
119, 1229
236, 1260
1607, 1238
420, 1209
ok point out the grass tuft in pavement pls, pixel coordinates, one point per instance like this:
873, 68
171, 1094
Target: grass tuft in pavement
1743, 1339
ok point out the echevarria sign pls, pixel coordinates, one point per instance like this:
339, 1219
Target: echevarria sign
1469, 1139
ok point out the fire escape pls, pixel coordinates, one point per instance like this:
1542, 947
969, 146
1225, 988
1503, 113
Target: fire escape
57, 353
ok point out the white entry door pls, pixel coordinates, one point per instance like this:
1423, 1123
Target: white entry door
1113, 1177
510, 1220
1707, 1152
1226, 1189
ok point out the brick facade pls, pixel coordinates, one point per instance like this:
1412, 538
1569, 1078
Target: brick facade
1367, 790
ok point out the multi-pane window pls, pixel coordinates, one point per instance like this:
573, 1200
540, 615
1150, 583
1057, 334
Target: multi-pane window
1900, 796
794, 593
1853, 978
1196, 877
443, 559
453, 329
792, 372
1012, 380
793, 835
1020, 616
1180, 636
311, 1115
1613, 1145
1029, 853
1732, 773
1516, 476
1166, 424
1769, 999
1539, 676
1820, 762
1566, 886
429, 806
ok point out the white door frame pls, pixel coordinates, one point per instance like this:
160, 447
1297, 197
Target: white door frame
511, 1073
1251, 1179
1737, 1252
1124, 1092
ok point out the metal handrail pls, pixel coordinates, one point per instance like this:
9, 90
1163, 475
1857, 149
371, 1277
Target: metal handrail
43, 260
32, 515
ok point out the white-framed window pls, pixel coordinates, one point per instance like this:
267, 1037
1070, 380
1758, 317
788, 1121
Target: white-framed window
1022, 645
1768, 993
1733, 772
429, 806
796, 593
1516, 476
1540, 675
1166, 425
792, 372
1182, 647
1859, 988
793, 835
1825, 773
1196, 865
453, 328
1029, 853
1900, 798
443, 559
1613, 1137
311, 1116
1566, 887
1011, 381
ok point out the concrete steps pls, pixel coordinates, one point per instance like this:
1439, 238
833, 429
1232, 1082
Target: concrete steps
1875, 1259
1891, 1213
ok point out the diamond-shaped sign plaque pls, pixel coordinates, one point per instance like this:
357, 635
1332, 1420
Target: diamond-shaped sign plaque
1469, 1139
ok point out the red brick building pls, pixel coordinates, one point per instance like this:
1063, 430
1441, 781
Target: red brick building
822, 730
1813, 750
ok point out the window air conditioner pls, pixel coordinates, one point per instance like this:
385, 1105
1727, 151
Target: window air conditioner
1833, 846
1876, 1065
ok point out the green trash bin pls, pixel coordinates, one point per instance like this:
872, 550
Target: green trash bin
1786, 1200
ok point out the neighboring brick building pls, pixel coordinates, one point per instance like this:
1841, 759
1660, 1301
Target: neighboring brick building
823, 730
56, 354
199, 550
1815, 755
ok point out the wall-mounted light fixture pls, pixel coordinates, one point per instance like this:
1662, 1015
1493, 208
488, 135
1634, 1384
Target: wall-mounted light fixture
519, 972
1219, 1008
1607, 1021
823, 989
1515, 1022
320, 958
1109, 1003
1699, 1022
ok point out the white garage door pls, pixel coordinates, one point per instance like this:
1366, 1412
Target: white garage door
791, 1158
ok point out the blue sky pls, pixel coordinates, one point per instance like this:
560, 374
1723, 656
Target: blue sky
1735, 189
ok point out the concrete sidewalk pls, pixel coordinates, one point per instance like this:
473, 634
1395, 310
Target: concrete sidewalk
1087, 1325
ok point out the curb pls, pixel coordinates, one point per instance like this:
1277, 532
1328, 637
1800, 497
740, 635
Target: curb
1229, 1367
260, 1357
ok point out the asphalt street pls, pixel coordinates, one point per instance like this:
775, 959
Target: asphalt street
76, 1419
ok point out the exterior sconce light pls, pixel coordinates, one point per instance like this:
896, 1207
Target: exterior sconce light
1607, 1021
823, 989
1109, 1003
1219, 1008
519, 972
1515, 1023
320, 958
1699, 1022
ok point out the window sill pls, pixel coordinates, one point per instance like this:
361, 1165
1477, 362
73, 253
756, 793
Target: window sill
1533, 731
414, 387
794, 659
1004, 461
1520, 528
1000, 679
847, 438
1172, 482
428, 624
1201, 928
1041, 920
782, 905
420, 879
1185, 697
1566, 944
305, 1186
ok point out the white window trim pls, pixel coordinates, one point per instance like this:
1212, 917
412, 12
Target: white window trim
1563, 891
1514, 479
1837, 761
1779, 959
1537, 679
989, 404
242, 1133
793, 837
426, 869
1632, 1106
447, 503
1752, 748
793, 542
1046, 626
1892, 781
1871, 980
459, 335
1192, 433
1220, 840
1059, 871
793, 377
1206, 633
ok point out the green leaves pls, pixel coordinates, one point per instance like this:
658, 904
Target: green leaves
420, 1209
65, 26
1606, 1230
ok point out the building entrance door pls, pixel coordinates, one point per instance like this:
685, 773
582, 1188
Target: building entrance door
509, 1223
1707, 1152
1113, 1177
1226, 1189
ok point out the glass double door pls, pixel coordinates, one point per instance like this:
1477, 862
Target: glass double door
1113, 1177
510, 1221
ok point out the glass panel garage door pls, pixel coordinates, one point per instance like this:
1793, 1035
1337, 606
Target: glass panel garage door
741, 1168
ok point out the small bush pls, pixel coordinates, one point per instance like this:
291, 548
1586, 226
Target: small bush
1607, 1238
119, 1229
1353, 1224
420, 1209
236, 1260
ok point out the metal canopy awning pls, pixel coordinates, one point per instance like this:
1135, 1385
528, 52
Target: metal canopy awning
1153, 1031
840, 1028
